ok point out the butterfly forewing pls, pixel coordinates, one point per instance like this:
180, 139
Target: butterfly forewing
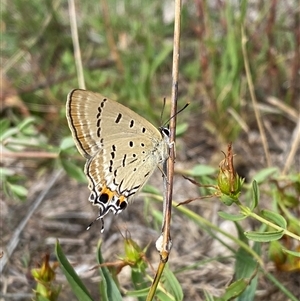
92, 116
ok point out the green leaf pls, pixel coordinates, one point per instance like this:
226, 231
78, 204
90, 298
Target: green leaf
41, 298
208, 296
241, 234
8, 133
66, 143
255, 191
234, 290
202, 170
274, 218
231, 217
23, 126
75, 282
159, 59
108, 288
4, 172
151, 189
73, 170
181, 128
246, 268
138, 293
293, 253
265, 236
263, 174
18, 190
161, 296
4, 125
172, 285
226, 199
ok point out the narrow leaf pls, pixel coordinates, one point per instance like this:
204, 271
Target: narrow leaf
293, 253
275, 218
172, 285
18, 190
255, 191
73, 170
66, 143
246, 268
265, 236
25, 123
234, 290
108, 287
263, 174
231, 217
202, 170
4, 125
75, 282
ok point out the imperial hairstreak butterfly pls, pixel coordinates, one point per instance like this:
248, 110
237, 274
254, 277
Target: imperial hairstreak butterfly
122, 148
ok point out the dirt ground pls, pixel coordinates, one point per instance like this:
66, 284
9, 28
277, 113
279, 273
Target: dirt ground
65, 213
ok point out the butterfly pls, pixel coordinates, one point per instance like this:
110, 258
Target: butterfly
122, 148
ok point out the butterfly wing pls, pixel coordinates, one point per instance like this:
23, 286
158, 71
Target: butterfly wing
122, 148
93, 117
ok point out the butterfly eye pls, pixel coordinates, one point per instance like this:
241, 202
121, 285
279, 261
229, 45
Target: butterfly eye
165, 131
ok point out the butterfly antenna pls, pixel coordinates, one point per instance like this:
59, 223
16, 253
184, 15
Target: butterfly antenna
186, 105
162, 111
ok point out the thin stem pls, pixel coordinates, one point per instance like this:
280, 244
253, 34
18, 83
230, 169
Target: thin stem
164, 243
246, 211
75, 39
254, 100
170, 171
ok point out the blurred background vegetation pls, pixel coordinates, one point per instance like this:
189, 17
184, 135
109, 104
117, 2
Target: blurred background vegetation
126, 51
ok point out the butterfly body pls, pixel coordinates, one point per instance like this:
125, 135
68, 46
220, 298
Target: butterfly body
122, 148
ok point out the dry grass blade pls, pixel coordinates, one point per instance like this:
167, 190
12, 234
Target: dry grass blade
75, 39
16, 236
295, 141
110, 36
254, 100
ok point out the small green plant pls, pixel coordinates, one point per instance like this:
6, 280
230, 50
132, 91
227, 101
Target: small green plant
17, 139
275, 226
109, 289
44, 276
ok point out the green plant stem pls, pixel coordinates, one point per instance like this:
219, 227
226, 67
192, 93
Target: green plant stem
247, 211
200, 220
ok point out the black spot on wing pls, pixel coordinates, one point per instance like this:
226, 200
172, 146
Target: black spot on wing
104, 198
119, 117
123, 205
124, 160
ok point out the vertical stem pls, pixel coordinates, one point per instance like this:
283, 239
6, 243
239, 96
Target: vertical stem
163, 244
166, 243
254, 101
75, 39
